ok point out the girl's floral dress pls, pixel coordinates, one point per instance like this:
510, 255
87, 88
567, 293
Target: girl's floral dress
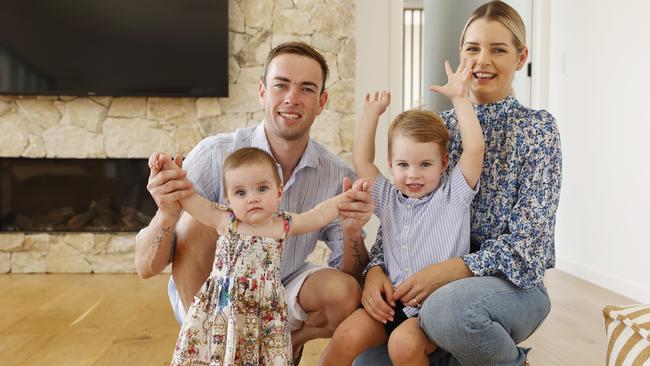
239, 316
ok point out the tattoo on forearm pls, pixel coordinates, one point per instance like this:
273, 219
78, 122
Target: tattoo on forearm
356, 253
161, 235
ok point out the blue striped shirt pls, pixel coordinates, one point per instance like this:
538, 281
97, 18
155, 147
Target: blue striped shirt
317, 177
418, 232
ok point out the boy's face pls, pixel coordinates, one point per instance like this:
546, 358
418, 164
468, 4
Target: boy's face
252, 193
416, 166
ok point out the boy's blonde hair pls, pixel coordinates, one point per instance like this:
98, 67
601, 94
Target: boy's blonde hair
248, 156
503, 13
421, 126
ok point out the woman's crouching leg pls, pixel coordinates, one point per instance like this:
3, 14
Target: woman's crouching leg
480, 320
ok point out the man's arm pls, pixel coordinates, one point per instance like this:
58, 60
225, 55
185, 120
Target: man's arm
153, 244
355, 214
355, 255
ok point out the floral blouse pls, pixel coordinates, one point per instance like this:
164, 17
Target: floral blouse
513, 214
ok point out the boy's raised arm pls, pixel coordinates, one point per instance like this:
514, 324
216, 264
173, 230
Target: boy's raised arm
363, 150
457, 89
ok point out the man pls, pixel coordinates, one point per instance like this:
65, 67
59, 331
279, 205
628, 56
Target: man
292, 93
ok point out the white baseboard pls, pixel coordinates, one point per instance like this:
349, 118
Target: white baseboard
632, 289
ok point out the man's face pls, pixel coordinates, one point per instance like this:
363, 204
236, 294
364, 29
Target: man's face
291, 96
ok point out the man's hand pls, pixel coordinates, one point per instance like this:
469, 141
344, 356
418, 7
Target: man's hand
377, 288
358, 208
169, 185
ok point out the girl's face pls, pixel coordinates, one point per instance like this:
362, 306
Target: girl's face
252, 193
416, 166
490, 44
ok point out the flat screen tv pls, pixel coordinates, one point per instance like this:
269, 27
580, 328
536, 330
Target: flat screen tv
114, 47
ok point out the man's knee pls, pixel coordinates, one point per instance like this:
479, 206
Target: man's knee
195, 248
194, 242
193, 260
192, 264
345, 289
336, 294
342, 296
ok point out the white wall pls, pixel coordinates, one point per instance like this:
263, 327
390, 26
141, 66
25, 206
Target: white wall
379, 67
599, 80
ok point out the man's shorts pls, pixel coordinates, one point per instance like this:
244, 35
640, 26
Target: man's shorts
292, 286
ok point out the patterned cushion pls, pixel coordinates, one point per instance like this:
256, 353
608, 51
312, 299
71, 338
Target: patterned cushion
628, 335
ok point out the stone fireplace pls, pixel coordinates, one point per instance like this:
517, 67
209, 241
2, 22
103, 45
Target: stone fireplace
68, 127
74, 195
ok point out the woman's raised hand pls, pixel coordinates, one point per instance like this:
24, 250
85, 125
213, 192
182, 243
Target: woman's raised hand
457, 82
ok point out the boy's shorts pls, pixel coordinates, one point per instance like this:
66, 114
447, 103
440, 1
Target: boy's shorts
399, 318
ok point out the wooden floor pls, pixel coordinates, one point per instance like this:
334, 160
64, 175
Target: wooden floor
123, 320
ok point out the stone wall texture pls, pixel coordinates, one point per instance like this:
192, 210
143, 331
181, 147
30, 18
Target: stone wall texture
134, 127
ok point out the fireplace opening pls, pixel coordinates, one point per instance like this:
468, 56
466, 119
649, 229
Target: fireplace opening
88, 195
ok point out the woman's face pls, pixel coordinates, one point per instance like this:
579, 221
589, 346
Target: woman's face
490, 43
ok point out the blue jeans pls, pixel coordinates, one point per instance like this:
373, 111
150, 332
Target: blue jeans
476, 321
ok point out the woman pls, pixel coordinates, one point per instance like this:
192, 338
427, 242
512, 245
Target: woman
477, 307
